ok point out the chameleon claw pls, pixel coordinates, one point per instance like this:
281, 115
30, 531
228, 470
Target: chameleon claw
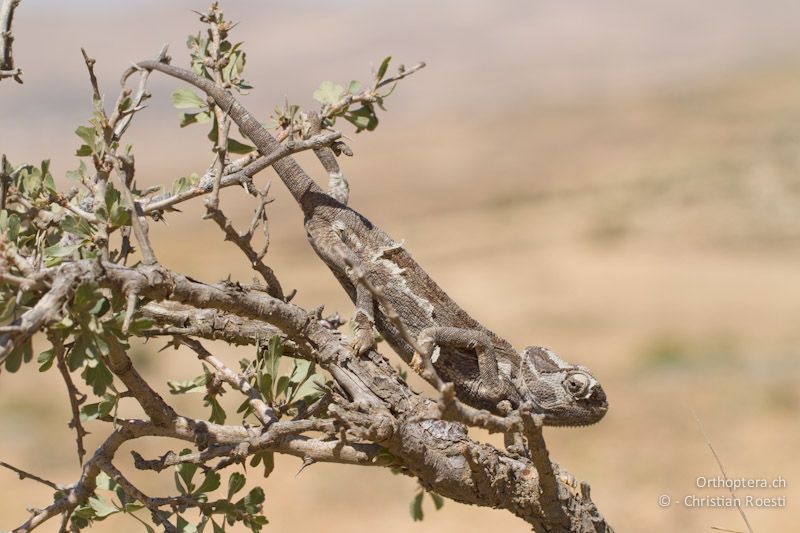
363, 341
363, 338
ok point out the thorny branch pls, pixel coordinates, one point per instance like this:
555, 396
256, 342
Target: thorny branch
27, 475
76, 398
368, 382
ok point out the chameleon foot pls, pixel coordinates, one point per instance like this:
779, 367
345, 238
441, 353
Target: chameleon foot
363, 337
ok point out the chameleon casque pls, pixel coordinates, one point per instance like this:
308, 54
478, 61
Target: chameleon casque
484, 368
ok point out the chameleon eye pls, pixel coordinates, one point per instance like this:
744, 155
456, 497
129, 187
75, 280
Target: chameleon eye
577, 384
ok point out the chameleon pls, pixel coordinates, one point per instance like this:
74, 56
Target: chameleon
484, 368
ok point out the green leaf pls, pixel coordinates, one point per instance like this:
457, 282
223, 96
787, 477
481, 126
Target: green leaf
85, 296
185, 472
47, 178
103, 481
185, 98
200, 117
185, 527
235, 483
210, 483
61, 251
252, 502
101, 507
280, 388
89, 136
268, 458
214, 132
19, 354
438, 501
78, 353
8, 309
132, 507
46, 359
76, 175
139, 325
416, 507
65, 324
184, 183
256, 523
218, 415
84, 511
197, 384
302, 383
328, 93
236, 147
77, 226
97, 410
382, 69
363, 118
354, 87
83, 151
235, 65
98, 377
9, 224
275, 347
217, 527
146, 526
118, 215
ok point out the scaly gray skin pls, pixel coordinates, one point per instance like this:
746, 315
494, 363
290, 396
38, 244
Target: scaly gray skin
484, 367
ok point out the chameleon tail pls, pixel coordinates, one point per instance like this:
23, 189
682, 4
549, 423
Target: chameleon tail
298, 182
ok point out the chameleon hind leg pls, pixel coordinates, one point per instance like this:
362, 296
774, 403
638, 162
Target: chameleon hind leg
332, 249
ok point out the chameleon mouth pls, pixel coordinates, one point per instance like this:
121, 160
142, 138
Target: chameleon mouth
599, 398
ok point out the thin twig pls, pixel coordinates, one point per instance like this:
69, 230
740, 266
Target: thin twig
7, 69
27, 475
135, 494
5, 181
75, 396
96, 96
722, 470
265, 413
121, 124
138, 221
540, 456
401, 74
369, 95
243, 242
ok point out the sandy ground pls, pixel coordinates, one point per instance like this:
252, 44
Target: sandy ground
619, 183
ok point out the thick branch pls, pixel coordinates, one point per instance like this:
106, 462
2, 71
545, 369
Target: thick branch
46, 309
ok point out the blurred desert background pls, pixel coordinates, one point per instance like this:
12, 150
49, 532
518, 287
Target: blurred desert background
618, 180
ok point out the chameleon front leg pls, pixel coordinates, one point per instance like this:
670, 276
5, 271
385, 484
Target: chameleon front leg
465, 339
338, 188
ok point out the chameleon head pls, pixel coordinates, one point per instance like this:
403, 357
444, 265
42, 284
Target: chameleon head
566, 394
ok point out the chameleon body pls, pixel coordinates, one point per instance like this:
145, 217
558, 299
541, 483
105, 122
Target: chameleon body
484, 368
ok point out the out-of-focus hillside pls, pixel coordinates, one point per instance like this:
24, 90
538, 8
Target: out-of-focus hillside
617, 180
